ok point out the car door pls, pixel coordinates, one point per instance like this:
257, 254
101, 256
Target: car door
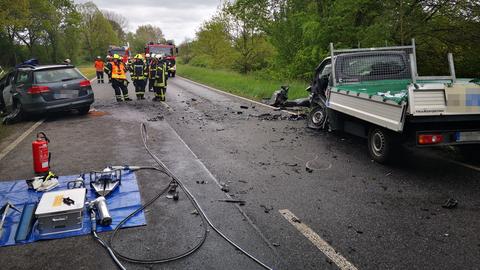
6, 91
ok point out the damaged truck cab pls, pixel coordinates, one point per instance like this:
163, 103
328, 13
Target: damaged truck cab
376, 93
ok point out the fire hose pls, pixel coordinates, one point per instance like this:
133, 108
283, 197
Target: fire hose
116, 255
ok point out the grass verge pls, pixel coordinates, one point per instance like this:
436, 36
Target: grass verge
249, 86
88, 71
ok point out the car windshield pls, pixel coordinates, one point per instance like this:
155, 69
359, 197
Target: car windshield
57, 75
161, 50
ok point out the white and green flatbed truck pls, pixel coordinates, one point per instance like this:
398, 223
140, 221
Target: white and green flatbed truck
377, 93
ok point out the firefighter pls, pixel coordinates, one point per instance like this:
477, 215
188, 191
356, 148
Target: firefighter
99, 67
108, 68
139, 74
160, 81
119, 79
151, 76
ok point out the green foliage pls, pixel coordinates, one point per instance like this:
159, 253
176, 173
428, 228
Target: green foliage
52, 30
246, 85
213, 47
97, 32
289, 38
143, 35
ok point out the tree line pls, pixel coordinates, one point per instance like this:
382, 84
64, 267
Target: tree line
54, 30
289, 38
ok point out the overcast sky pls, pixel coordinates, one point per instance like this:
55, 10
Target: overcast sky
178, 19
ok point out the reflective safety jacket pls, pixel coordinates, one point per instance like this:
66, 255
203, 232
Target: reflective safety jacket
119, 71
99, 66
108, 68
138, 70
158, 74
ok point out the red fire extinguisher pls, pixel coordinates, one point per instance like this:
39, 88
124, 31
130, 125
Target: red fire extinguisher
41, 156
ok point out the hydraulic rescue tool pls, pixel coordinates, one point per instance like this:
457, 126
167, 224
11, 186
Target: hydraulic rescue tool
106, 181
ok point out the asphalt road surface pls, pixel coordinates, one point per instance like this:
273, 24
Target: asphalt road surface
348, 213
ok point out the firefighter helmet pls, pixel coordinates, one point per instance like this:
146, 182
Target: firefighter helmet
98, 57
116, 56
158, 56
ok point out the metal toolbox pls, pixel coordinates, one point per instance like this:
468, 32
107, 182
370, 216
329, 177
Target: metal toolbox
61, 211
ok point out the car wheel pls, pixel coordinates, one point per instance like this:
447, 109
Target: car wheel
381, 144
83, 110
317, 118
15, 116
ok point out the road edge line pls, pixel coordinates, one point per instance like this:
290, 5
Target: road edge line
321, 244
14, 144
236, 96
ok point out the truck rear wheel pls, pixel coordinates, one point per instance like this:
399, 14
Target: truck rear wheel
381, 144
317, 118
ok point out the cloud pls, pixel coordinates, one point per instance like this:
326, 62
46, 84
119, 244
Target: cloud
177, 19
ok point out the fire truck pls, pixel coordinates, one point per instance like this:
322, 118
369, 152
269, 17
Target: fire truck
123, 51
169, 50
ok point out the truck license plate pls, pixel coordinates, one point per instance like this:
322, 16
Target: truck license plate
468, 136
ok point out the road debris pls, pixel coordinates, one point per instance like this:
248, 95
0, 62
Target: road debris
243, 107
450, 203
224, 187
241, 202
156, 118
203, 182
266, 209
294, 219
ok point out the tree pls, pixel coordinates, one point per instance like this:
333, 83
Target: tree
119, 23
97, 32
213, 46
247, 19
14, 17
143, 35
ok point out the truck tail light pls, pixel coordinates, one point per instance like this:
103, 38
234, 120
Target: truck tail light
430, 139
85, 83
37, 89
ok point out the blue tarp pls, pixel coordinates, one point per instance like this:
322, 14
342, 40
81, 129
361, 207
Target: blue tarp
122, 202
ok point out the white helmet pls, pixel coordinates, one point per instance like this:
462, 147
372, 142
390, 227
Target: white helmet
158, 56
152, 55
147, 55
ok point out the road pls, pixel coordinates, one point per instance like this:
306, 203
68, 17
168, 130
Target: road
372, 216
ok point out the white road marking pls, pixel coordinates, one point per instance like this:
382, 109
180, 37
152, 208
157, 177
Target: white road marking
235, 96
14, 144
321, 244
